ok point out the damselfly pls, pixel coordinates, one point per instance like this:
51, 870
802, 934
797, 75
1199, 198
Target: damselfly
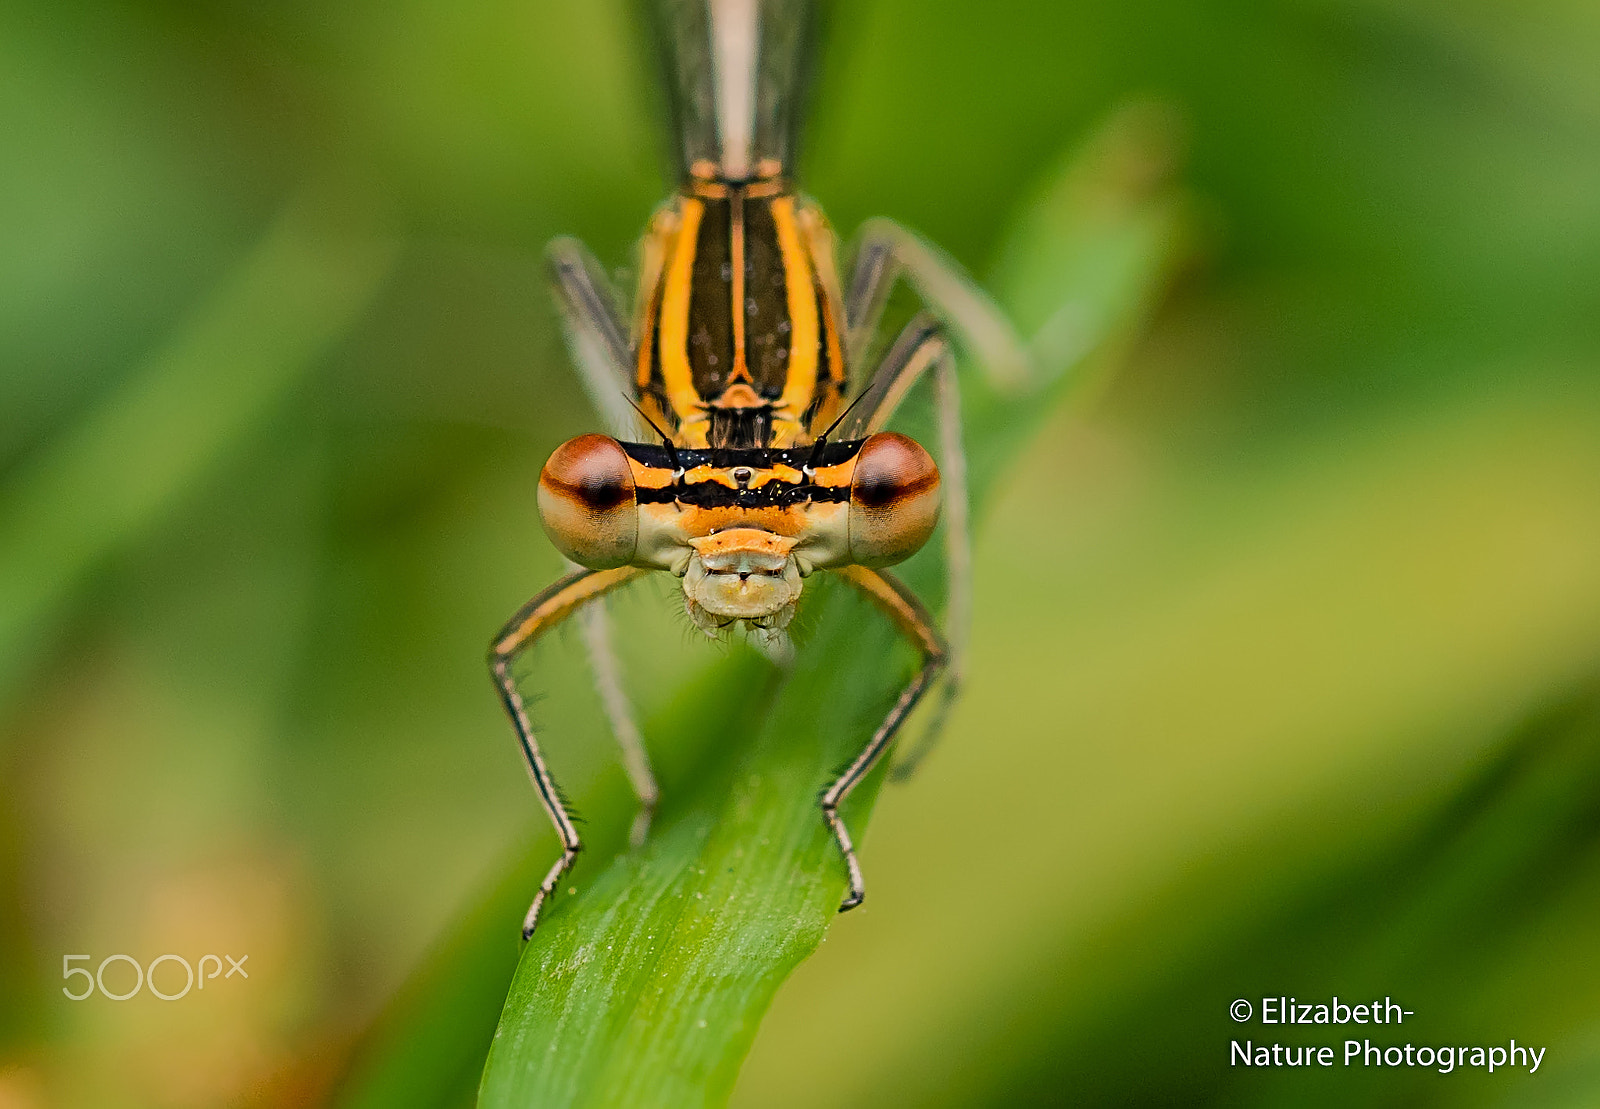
742, 459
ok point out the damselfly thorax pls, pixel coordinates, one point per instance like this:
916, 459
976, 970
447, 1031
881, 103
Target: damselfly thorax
740, 329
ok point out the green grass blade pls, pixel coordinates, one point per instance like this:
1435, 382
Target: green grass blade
647, 989
427, 1050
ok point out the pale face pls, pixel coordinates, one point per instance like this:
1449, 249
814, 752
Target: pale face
753, 590
742, 573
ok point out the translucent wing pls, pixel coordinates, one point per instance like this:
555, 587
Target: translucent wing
735, 74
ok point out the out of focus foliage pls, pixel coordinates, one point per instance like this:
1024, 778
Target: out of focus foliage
1284, 648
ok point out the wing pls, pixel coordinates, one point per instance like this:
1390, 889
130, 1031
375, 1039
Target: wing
736, 73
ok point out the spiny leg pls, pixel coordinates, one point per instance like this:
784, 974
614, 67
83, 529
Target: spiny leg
887, 252
596, 336
595, 623
908, 615
920, 344
919, 348
531, 621
601, 350
958, 566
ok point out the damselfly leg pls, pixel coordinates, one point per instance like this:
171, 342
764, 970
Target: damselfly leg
595, 622
886, 253
602, 351
596, 336
921, 347
533, 620
912, 620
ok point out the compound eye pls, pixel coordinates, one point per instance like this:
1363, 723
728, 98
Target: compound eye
894, 500
587, 503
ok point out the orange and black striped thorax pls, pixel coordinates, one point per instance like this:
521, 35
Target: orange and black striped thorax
739, 333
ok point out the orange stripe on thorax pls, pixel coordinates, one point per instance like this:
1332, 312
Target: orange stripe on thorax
673, 319
801, 382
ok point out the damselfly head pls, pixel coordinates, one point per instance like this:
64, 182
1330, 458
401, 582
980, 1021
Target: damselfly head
742, 529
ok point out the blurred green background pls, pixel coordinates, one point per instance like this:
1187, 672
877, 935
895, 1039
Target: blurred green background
1285, 671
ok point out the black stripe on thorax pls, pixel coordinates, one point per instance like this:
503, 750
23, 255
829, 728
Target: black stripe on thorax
766, 307
710, 329
660, 457
829, 387
713, 494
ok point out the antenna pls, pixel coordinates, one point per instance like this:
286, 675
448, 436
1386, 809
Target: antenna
666, 440
822, 440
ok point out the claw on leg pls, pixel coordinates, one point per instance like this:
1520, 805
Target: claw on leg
546, 889
858, 891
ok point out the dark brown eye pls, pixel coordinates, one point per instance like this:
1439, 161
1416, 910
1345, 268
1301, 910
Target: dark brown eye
894, 500
586, 501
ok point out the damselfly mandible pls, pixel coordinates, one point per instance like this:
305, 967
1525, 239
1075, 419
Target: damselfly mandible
748, 449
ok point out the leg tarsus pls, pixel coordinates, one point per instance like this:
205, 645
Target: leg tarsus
547, 888
830, 816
